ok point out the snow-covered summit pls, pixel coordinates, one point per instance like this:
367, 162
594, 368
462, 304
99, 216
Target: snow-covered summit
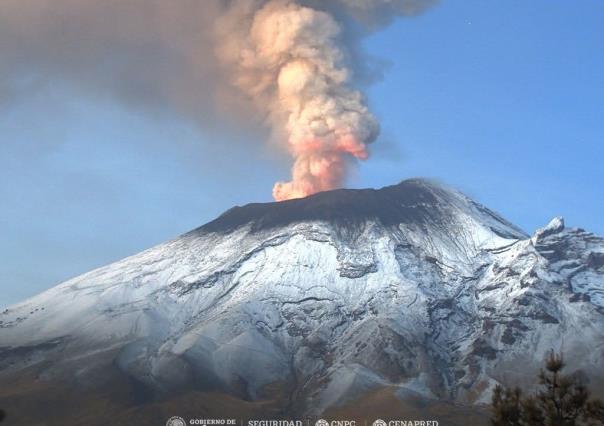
555, 226
413, 286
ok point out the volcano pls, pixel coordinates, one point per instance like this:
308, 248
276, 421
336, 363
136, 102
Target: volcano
410, 300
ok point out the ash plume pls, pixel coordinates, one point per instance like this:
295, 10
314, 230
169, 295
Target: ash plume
285, 63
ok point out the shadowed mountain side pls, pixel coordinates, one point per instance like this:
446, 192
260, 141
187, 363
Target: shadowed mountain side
54, 403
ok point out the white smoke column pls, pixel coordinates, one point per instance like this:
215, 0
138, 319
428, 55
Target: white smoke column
291, 63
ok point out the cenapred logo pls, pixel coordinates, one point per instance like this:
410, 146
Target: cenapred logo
176, 421
380, 422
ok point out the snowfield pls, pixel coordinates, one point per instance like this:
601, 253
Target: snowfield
414, 286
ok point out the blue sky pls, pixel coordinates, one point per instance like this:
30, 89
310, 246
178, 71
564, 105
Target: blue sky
503, 100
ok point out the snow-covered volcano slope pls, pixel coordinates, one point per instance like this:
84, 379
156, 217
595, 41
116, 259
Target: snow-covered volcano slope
414, 286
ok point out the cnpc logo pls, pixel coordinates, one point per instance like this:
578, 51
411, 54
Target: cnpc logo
323, 422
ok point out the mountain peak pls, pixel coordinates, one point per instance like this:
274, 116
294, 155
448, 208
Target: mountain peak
553, 227
419, 201
413, 287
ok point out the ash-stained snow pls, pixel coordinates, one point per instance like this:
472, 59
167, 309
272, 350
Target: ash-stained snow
414, 286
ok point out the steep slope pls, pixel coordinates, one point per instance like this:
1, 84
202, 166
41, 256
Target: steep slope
321, 300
